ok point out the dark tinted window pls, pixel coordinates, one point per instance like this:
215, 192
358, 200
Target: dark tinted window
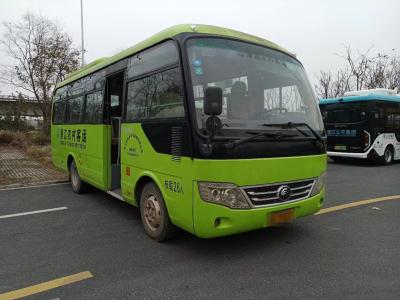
74, 109
95, 81
153, 59
94, 108
58, 111
77, 87
351, 112
156, 96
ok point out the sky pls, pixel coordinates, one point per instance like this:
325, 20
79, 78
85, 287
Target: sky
314, 30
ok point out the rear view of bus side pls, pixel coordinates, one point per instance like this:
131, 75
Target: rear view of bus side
203, 128
363, 124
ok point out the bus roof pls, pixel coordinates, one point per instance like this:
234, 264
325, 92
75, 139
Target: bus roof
369, 97
163, 35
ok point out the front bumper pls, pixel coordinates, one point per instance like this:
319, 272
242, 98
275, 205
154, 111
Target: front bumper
349, 154
231, 221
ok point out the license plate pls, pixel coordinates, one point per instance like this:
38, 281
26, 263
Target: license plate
340, 147
282, 216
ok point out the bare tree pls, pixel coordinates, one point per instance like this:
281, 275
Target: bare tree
331, 86
359, 66
324, 85
361, 71
43, 54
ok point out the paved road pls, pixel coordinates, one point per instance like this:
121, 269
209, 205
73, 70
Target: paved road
349, 254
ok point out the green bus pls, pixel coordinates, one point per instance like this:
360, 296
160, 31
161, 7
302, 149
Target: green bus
203, 128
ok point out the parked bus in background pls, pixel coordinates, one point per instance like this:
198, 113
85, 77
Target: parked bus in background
203, 128
363, 124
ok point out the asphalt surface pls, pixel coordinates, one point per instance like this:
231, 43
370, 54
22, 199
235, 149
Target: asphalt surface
349, 254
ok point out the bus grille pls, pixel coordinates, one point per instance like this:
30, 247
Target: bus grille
269, 194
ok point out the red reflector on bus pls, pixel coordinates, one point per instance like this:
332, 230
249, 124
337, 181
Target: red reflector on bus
128, 171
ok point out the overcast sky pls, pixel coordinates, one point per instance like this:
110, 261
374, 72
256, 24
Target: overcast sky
314, 30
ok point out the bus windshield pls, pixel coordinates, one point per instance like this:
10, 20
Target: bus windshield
259, 85
351, 112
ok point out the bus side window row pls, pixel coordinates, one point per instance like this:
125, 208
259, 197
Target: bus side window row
80, 109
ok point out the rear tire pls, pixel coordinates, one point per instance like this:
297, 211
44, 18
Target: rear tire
78, 186
154, 213
387, 157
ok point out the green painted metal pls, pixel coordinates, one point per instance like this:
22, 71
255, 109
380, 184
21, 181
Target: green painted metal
164, 35
88, 145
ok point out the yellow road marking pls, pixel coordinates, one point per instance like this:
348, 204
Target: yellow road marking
45, 286
357, 203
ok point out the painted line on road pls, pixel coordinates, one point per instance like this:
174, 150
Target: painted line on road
33, 212
45, 286
32, 186
356, 203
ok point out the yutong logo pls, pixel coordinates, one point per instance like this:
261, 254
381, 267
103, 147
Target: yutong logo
284, 192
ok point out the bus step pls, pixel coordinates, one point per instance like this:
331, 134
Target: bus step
116, 194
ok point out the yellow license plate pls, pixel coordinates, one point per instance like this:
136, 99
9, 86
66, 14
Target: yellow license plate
282, 216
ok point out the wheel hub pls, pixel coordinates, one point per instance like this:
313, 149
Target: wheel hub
152, 212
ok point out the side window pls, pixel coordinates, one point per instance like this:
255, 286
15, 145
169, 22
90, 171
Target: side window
74, 109
58, 111
152, 59
93, 108
157, 96
397, 121
59, 105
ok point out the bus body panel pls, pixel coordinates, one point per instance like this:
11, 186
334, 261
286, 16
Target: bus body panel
378, 147
252, 172
172, 176
232, 221
87, 144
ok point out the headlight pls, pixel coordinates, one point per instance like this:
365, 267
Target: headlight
226, 194
319, 185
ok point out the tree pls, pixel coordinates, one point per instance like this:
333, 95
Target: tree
43, 55
361, 71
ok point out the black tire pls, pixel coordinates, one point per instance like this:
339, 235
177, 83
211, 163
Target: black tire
78, 186
154, 213
387, 157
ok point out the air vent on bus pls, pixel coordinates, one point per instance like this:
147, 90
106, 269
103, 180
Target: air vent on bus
176, 142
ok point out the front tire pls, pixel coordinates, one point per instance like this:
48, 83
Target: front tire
78, 186
154, 213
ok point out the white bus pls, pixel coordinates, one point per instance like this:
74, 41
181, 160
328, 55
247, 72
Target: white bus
363, 124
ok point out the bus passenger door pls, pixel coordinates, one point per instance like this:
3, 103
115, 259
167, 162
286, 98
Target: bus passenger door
114, 104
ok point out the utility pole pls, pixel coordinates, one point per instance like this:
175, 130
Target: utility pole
82, 39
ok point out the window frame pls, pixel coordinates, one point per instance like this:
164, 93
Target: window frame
83, 121
178, 65
81, 110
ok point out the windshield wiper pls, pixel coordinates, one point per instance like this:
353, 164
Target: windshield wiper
274, 135
296, 126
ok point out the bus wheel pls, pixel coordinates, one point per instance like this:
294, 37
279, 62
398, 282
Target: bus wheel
154, 214
78, 186
387, 157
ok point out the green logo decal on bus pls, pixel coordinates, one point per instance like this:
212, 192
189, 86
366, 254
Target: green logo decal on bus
133, 145
75, 138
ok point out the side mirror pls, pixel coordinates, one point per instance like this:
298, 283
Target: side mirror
213, 101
